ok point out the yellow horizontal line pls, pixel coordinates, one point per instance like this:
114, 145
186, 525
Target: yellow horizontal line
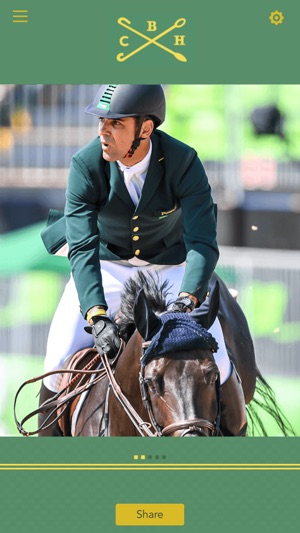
20, 16
215, 469
20, 10
20, 20
150, 465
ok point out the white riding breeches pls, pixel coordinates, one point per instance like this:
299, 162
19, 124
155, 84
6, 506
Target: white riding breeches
67, 334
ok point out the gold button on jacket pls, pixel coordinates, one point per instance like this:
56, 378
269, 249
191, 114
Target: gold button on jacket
175, 177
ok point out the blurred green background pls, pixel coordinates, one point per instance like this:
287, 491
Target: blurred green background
216, 120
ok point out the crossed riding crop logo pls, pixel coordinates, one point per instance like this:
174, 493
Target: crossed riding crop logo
151, 27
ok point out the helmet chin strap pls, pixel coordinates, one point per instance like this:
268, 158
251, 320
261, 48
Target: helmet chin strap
137, 140
134, 146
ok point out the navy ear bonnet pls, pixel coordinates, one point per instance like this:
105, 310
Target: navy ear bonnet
178, 332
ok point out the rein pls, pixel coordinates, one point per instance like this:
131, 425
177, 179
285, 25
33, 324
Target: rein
197, 425
145, 429
142, 427
61, 399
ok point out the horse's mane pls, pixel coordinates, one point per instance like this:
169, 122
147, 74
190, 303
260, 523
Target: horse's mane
156, 292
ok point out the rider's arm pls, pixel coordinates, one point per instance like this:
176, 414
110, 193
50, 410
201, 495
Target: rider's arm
81, 213
199, 226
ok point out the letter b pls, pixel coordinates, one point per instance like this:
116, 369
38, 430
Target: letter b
151, 25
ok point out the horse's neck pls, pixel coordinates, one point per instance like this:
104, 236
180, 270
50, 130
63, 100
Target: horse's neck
128, 366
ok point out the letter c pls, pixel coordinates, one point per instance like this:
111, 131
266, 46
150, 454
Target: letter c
122, 40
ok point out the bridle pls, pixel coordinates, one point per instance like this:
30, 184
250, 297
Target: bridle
200, 426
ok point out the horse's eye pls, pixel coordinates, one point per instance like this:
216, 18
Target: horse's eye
211, 378
151, 385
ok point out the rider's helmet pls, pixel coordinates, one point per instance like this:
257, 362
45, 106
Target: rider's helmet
120, 101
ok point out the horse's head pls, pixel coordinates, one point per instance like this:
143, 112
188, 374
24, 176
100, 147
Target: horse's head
179, 378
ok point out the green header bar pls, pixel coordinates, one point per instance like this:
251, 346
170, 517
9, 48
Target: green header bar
164, 42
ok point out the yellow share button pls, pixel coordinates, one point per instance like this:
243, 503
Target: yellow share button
150, 514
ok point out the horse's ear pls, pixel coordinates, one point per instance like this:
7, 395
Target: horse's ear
207, 313
145, 319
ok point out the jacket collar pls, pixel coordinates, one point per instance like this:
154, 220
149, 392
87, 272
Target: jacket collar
153, 178
154, 174
117, 185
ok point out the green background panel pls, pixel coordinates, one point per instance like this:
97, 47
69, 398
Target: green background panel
82, 500
84, 505
226, 42
121, 450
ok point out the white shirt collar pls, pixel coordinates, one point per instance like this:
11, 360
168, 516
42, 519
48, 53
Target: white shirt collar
139, 168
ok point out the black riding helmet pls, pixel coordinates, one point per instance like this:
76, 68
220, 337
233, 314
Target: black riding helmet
121, 101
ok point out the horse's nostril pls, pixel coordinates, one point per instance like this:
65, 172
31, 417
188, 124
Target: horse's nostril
194, 434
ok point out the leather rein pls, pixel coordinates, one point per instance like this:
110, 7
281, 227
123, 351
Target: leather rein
203, 427
145, 429
62, 399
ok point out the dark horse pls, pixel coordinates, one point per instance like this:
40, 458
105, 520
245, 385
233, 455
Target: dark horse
165, 382
177, 392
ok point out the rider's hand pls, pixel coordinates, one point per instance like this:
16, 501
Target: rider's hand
183, 304
106, 336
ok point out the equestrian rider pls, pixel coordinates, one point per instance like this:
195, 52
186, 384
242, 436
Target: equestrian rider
137, 199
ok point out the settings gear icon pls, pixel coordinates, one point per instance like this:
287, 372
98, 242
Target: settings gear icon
276, 17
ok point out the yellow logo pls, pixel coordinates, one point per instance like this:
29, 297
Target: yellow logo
179, 40
276, 17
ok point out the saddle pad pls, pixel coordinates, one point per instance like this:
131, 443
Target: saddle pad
78, 405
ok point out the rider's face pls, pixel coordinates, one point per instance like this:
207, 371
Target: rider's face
116, 137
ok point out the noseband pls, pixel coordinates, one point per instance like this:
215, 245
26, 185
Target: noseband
200, 426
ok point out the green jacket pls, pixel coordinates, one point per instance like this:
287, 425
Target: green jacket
174, 221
